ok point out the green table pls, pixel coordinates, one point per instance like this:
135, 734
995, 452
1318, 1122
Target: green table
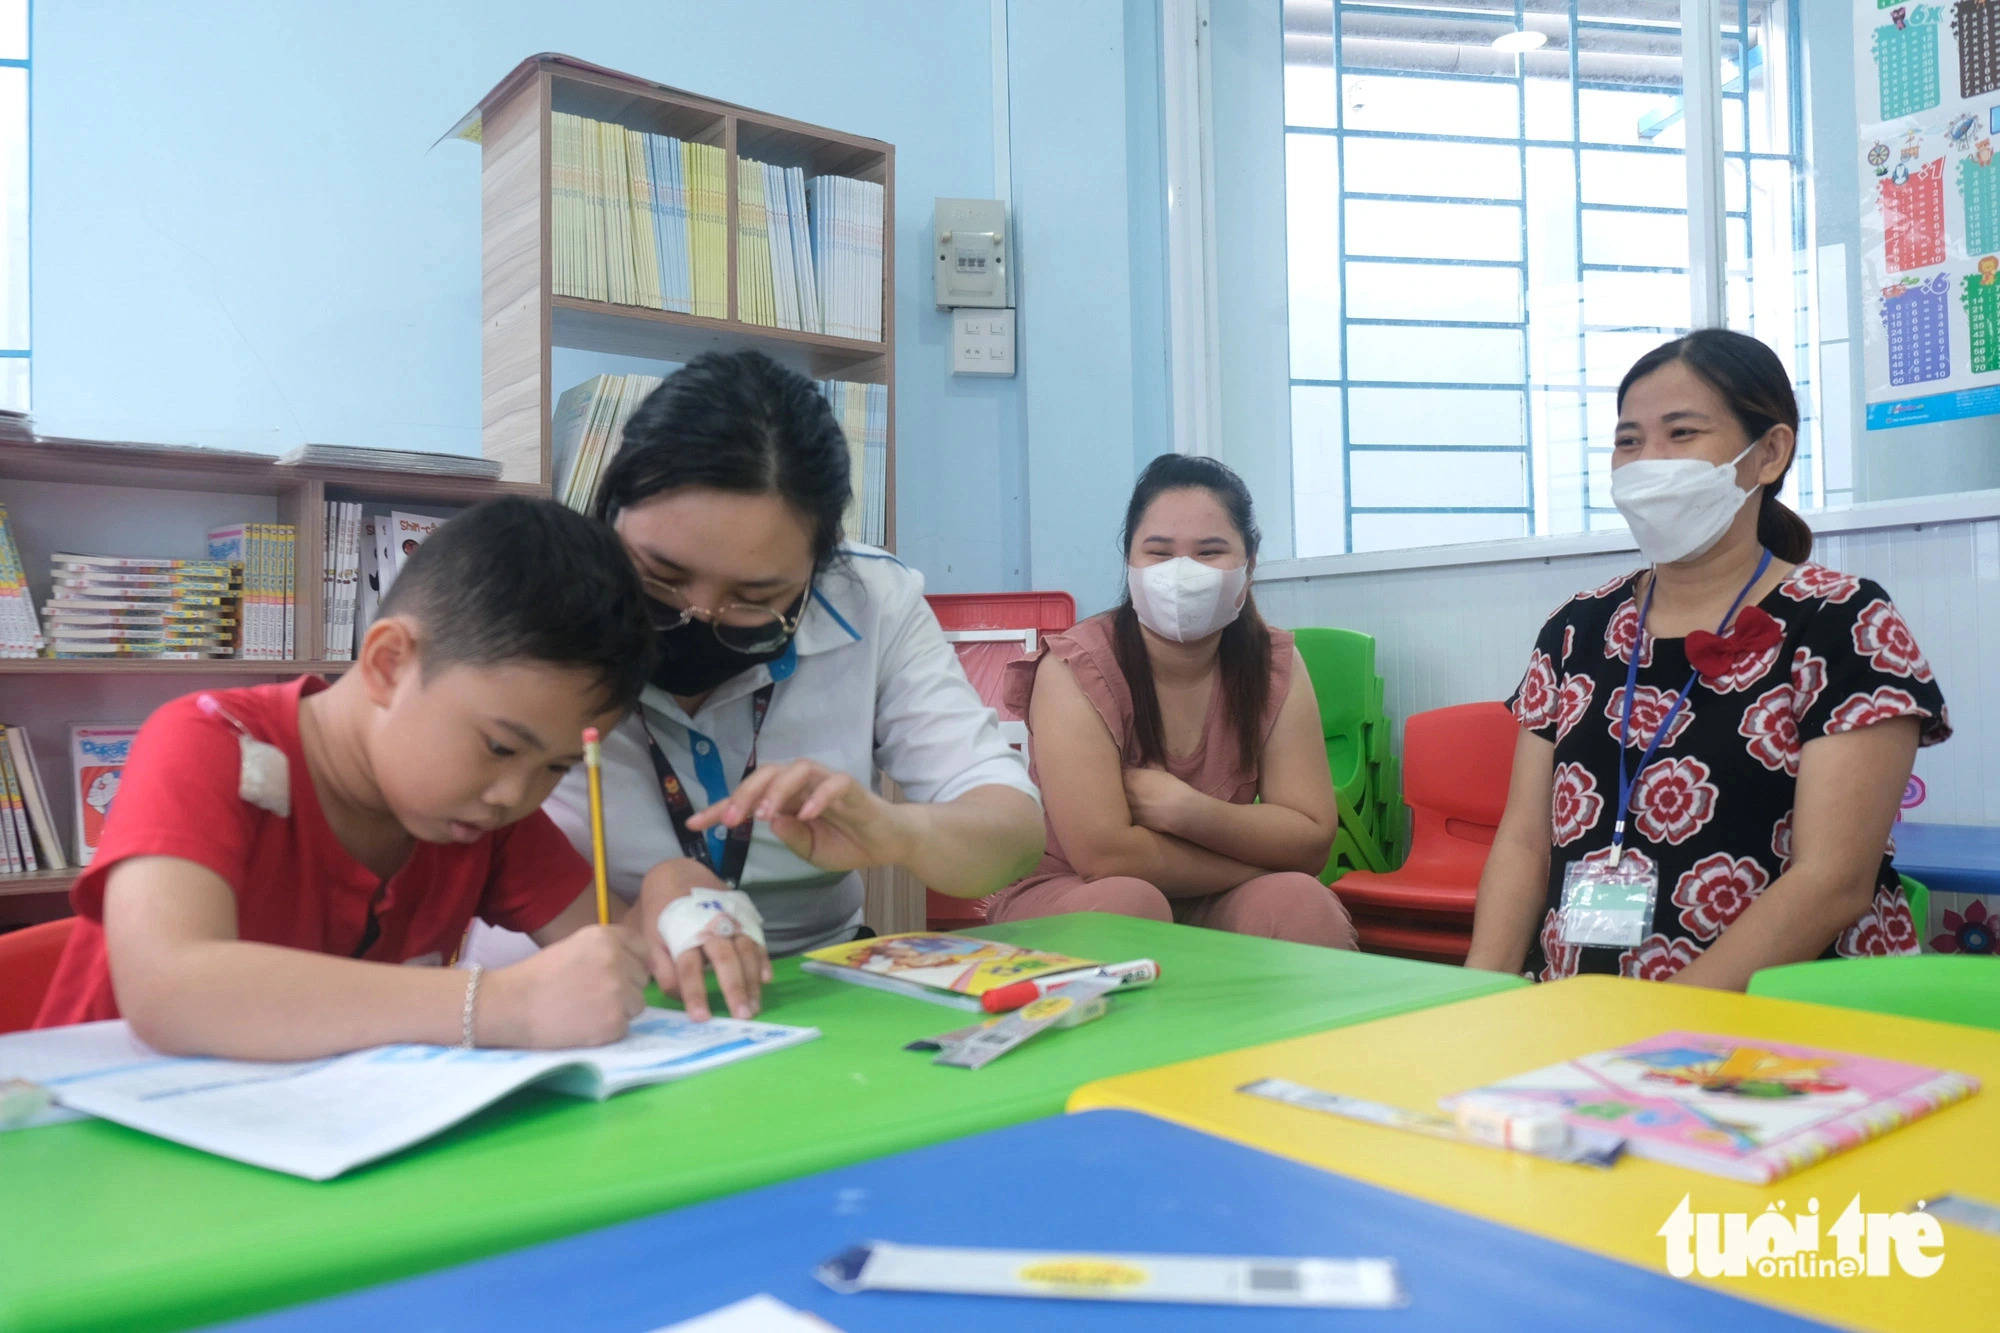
107, 1228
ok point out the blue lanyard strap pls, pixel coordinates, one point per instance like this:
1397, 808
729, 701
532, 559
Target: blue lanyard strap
1625, 778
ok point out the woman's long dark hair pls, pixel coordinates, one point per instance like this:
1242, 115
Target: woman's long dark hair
1245, 651
1753, 382
740, 422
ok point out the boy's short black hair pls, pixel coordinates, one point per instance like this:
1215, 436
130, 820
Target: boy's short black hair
520, 580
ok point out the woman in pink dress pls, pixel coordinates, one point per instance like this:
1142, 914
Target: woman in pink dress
1176, 739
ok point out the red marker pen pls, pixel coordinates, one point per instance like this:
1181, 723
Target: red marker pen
1138, 972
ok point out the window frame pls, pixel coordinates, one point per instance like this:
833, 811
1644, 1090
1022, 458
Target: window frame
1708, 155
25, 64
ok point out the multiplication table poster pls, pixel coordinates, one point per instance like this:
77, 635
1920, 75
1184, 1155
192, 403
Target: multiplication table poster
1929, 102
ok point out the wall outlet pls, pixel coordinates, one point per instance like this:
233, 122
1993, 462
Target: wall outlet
982, 342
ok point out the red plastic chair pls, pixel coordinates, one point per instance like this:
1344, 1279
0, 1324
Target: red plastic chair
1456, 763
27, 965
990, 630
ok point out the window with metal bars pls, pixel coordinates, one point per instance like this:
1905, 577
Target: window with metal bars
1482, 239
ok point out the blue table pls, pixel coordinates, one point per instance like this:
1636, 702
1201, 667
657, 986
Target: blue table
1100, 1180
1950, 858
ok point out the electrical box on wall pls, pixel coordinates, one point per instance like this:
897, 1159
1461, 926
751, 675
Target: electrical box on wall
970, 250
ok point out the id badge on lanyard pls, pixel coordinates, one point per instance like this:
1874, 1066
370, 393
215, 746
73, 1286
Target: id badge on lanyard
1608, 902
680, 808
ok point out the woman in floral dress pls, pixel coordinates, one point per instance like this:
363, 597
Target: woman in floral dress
1776, 707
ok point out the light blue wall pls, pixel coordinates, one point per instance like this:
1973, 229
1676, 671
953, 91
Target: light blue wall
1072, 238
1247, 101
244, 238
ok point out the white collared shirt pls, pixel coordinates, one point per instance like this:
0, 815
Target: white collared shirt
869, 683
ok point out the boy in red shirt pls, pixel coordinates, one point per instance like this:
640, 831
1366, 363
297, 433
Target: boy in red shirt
280, 860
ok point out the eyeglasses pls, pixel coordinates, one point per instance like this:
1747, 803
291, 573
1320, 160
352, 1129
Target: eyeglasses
743, 627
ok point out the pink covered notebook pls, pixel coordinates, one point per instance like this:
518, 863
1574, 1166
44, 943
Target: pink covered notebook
1731, 1106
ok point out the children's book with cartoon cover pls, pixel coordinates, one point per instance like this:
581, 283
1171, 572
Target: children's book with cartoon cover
945, 969
1732, 1106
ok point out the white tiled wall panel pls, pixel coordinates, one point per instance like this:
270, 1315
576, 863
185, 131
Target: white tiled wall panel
1456, 634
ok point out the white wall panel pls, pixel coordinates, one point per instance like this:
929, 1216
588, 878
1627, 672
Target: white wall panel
1454, 634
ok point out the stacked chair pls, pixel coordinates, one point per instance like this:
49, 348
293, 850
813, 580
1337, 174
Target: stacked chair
1409, 879
1367, 780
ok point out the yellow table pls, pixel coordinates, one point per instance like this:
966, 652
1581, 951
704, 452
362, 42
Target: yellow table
1414, 1059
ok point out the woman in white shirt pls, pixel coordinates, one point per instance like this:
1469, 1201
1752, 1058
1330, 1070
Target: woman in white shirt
792, 666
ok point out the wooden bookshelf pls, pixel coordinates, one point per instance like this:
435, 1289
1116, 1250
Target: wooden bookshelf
524, 319
134, 499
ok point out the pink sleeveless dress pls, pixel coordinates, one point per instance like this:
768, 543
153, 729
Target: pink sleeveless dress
1290, 905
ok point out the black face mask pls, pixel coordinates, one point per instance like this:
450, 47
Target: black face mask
693, 661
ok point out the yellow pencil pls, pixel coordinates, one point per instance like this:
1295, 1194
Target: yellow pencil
590, 763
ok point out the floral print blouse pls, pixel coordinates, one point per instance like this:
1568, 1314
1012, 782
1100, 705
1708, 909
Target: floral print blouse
1713, 812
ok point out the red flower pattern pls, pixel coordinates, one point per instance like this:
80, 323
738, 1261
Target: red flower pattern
1623, 631
1534, 703
1657, 958
1771, 725
1573, 703
1811, 581
1673, 800
1864, 710
1715, 891
1808, 680
1972, 933
1899, 928
1649, 709
1576, 804
1717, 859
1881, 636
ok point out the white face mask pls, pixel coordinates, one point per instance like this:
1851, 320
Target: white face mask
1182, 599
1678, 508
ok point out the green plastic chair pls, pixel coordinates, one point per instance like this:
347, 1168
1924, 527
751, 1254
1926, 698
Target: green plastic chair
1341, 666
1944, 988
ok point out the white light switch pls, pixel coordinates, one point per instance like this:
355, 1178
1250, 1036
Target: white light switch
982, 342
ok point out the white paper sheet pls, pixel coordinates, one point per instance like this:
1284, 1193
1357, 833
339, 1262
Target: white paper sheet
757, 1314
319, 1118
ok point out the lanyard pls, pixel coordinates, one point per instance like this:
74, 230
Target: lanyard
1625, 778
680, 809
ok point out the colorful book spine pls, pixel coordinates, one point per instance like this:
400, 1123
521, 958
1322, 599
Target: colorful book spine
36, 793
16, 807
20, 628
97, 761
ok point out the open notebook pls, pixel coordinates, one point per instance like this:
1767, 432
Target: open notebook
1733, 1106
319, 1118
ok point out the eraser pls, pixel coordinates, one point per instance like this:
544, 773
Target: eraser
589, 735
1503, 1122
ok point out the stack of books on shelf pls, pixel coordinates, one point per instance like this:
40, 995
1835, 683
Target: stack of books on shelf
391, 460
265, 552
589, 426
775, 285
20, 627
363, 554
340, 577
641, 219
638, 219
846, 222
104, 606
863, 413
28, 841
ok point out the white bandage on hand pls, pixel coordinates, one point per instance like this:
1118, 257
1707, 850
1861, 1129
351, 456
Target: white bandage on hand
707, 915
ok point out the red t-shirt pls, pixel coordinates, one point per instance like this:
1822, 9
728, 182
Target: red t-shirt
295, 884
